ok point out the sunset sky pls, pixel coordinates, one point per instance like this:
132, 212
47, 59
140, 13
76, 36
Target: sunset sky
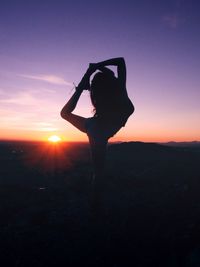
46, 46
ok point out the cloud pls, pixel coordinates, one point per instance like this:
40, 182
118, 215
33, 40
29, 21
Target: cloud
26, 104
22, 98
172, 20
13, 119
1, 91
44, 127
28, 99
53, 79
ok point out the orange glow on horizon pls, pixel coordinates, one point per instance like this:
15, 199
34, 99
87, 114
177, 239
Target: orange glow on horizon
124, 135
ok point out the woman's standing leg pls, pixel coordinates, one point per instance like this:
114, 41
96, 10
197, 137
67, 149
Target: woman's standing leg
98, 152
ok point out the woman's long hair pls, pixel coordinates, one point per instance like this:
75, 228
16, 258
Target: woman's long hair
105, 94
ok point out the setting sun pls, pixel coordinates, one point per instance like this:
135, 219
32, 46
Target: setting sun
54, 139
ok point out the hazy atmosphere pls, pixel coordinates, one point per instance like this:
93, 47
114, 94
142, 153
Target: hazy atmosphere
46, 46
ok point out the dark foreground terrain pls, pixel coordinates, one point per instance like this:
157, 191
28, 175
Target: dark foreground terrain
148, 215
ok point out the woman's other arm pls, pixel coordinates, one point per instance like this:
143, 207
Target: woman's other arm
121, 68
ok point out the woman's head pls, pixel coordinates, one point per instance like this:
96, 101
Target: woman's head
103, 92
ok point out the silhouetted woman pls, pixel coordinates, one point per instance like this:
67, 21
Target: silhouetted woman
112, 108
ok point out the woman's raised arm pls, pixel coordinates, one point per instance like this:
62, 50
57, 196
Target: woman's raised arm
121, 68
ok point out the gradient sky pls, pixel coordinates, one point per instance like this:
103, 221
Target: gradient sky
45, 46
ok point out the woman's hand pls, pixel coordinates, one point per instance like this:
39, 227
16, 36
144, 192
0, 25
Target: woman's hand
84, 83
92, 68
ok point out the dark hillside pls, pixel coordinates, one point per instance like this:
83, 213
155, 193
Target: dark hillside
149, 211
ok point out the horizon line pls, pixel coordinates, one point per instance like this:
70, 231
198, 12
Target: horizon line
84, 141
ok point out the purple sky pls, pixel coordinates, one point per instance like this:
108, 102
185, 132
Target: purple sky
45, 46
